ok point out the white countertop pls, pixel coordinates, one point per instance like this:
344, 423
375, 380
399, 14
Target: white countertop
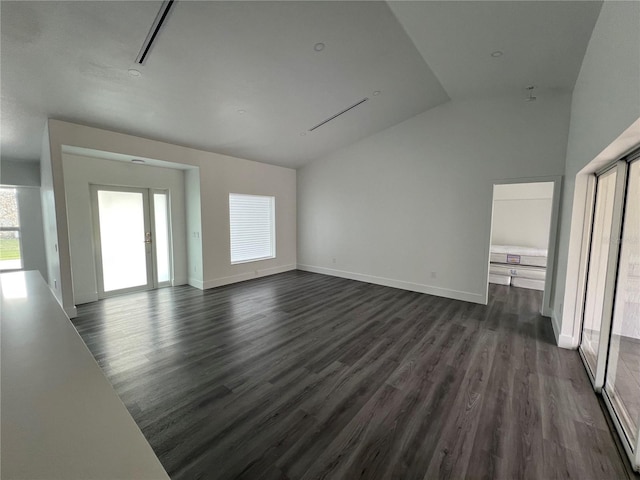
60, 418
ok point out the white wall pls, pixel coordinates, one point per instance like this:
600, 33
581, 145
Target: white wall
219, 175
51, 180
79, 173
605, 102
522, 214
411, 205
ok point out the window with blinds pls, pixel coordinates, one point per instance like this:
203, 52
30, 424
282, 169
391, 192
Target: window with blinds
252, 225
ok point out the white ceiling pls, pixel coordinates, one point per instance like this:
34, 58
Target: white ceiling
543, 42
69, 60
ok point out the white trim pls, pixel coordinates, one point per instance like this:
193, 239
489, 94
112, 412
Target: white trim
196, 283
622, 146
71, 311
219, 282
390, 282
563, 341
179, 281
634, 457
546, 309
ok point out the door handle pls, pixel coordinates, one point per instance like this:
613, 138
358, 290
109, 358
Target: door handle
147, 237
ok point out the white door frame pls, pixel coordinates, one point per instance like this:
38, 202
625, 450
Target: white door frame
149, 227
545, 309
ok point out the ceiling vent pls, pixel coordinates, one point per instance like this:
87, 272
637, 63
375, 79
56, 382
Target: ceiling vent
161, 18
333, 117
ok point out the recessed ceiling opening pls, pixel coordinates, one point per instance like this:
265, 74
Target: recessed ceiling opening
333, 117
161, 18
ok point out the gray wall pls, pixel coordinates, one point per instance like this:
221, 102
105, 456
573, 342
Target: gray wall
411, 206
605, 102
21, 173
25, 176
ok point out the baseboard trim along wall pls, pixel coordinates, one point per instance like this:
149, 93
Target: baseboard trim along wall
179, 281
390, 282
71, 311
563, 341
219, 282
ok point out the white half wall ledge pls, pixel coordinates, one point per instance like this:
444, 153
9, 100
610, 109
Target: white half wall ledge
257, 273
401, 284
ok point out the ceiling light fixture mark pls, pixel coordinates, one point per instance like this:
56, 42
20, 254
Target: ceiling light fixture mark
376, 93
134, 73
531, 97
318, 47
338, 114
242, 112
303, 134
160, 19
497, 54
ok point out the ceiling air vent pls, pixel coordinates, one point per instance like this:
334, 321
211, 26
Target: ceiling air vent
161, 18
332, 117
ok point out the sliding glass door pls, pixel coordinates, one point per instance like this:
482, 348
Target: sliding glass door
597, 274
622, 385
610, 344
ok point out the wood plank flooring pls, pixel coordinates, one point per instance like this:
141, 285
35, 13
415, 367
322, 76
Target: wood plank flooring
305, 376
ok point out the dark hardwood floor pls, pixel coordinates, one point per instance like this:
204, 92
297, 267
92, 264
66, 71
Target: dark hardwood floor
305, 376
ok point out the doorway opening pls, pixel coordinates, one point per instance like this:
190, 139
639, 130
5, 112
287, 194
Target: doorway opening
521, 221
132, 237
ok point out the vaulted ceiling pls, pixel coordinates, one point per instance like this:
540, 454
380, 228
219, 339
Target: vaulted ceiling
244, 78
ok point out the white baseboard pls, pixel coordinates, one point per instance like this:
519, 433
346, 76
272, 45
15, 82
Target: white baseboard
562, 340
196, 283
71, 311
179, 281
219, 282
390, 282
85, 298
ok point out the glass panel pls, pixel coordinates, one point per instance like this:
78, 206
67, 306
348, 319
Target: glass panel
10, 251
124, 259
161, 213
598, 260
623, 368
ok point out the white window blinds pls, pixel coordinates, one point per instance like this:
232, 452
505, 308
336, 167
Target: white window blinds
252, 225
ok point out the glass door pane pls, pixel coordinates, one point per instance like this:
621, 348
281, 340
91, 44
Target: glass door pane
162, 247
623, 368
598, 262
122, 230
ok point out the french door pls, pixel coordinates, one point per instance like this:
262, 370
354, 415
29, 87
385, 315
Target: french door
610, 343
131, 233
